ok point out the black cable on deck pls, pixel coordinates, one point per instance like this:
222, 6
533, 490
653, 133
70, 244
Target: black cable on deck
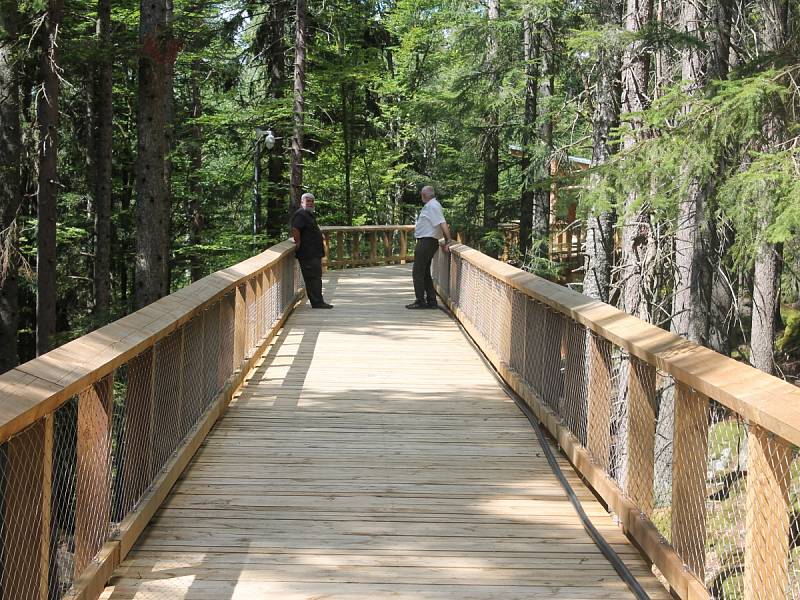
605, 548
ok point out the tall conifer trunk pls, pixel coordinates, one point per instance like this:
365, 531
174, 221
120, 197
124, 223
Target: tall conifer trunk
692, 280
47, 196
541, 203
636, 228
530, 44
195, 150
10, 184
599, 223
300, 41
276, 200
769, 256
102, 130
491, 159
151, 225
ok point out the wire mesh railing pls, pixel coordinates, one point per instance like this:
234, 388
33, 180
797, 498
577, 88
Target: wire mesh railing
88, 432
695, 453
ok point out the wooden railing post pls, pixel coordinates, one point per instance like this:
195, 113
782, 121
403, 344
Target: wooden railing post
373, 246
326, 245
227, 336
689, 457
27, 506
92, 489
355, 253
403, 247
340, 247
387, 247
641, 434
766, 563
250, 305
598, 419
239, 326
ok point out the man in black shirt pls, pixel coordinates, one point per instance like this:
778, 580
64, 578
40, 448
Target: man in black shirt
309, 250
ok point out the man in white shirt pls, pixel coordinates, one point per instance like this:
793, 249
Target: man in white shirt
430, 227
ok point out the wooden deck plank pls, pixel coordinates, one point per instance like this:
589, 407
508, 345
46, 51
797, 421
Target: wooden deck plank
373, 455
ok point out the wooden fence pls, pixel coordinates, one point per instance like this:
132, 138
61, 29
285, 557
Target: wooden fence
694, 452
94, 433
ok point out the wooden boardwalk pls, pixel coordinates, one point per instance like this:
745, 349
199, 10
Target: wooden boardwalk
373, 455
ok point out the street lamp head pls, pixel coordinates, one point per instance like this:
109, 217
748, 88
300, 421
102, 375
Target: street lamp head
269, 140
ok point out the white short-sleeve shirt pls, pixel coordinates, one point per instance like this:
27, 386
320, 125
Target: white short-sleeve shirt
429, 221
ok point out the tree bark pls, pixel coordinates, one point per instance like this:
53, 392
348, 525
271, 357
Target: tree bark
491, 159
195, 150
690, 306
102, 130
169, 141
769, 256
276, 200
600, 223
10, 184
151, 225
300, 42
47, 196
347, 142
530, 44
636, 227
541, 203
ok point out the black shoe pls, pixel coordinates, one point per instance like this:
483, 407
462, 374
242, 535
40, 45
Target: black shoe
323, 305
431, 304
417, 304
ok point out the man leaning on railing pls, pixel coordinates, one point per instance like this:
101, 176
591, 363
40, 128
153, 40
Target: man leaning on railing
309, 249
429, 228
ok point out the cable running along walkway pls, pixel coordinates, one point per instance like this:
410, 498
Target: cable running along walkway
373, 455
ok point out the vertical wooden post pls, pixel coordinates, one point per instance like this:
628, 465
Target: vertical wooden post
28, 507
690, 451
259, 290
403, 247
137, 444
598, 435
272, 309
250, 305
227, 337
373, 247
340, 248
355, 253
387, 248
239, 326
93, 471
326, 245
641, 434
766, 557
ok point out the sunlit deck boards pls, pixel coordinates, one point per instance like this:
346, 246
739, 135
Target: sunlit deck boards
373, 455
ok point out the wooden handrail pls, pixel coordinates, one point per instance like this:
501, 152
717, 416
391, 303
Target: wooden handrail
41, 385
763, 399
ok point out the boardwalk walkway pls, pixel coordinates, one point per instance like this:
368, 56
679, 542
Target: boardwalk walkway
372, 455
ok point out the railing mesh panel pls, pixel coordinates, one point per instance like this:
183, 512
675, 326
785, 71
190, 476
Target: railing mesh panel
725, 494
68, 482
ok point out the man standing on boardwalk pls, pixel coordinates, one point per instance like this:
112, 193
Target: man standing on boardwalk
430, 227
309, 249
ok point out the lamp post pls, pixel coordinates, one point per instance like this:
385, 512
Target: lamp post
266, 137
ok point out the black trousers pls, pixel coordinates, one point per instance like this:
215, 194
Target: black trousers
423, 257
311, 268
